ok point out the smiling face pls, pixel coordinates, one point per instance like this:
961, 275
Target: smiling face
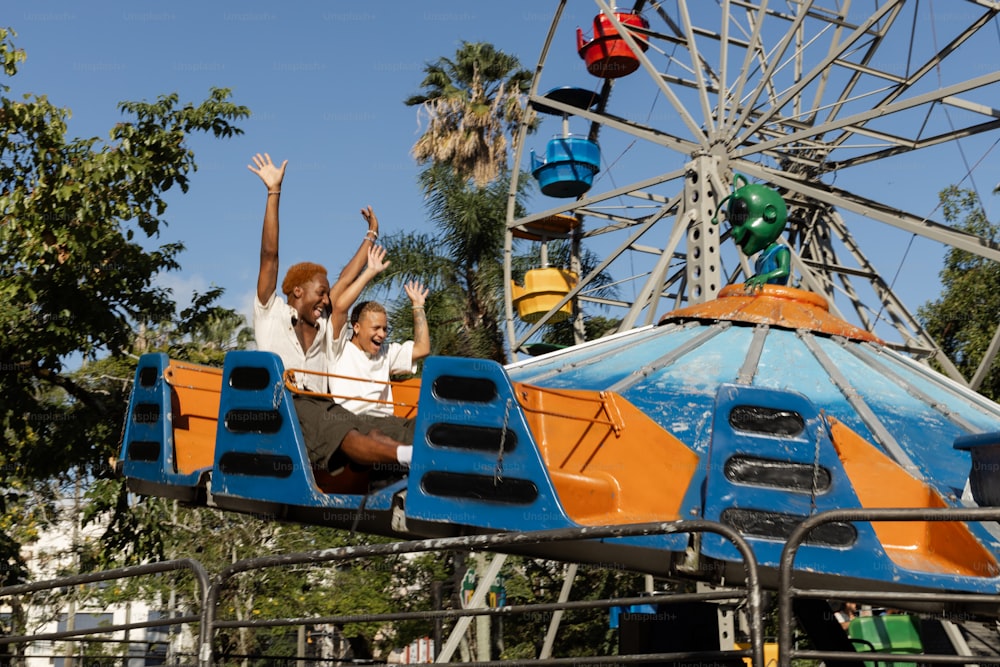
370, 330
311, 300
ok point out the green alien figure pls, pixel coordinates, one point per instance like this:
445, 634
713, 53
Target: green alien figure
757, 216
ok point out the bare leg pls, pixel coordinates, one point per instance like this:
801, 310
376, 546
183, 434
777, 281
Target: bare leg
376, 447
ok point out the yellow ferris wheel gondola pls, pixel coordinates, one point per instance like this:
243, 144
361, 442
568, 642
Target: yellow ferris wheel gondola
546, 286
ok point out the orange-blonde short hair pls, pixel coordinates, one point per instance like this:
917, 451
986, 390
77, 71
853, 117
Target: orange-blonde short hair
300, 274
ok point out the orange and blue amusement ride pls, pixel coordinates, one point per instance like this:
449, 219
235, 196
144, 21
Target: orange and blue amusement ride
756, 410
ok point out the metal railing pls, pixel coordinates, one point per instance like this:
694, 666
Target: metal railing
745, 595
788, 591
503, 542
198, 571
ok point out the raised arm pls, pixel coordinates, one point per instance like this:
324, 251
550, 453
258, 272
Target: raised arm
354, 267
421, 334
345, 300
267, 277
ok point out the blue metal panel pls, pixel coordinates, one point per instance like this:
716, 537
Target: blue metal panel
523, 464
680, 397
922, 431
599, 366
947, 395
811, 448
864, 557
148, 431
286, 473
787, 364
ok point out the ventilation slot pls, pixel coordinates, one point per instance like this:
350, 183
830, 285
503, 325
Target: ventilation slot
468, 390
144, 450
799, 477
249, 378
766, 421
256, 465
483, 488
476, 438
147, 376
253, 421
146, 413
777, 526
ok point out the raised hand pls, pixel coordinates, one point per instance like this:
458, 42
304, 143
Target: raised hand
268, 172
417, 292
377, 262
369, 215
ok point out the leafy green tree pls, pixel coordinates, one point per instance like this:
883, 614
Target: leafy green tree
76, 274
472, 102
581, 632
964, 318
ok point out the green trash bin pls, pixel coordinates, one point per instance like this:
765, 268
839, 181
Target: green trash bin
888, 633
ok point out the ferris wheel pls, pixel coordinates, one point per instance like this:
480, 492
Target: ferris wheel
843, 108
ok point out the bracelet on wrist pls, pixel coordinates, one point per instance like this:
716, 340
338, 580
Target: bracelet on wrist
272, 192
418, 308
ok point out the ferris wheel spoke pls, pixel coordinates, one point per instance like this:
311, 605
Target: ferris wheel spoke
901, 145
915, 338
796, 94
593, 275
692, 45
692, 124
900, 84
625, 125
655, 284
874, 210
857, 70
792, 93
859, 119
765, 81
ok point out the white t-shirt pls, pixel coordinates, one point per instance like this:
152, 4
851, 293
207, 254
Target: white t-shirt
391, 359
274, 332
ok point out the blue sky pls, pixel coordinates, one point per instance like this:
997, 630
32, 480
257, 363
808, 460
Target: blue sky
326, 83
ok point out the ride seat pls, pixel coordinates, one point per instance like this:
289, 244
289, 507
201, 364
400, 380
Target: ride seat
194, 413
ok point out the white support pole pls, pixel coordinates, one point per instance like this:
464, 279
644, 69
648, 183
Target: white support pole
477, 602
550, 635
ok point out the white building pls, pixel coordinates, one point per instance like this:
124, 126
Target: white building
81, 607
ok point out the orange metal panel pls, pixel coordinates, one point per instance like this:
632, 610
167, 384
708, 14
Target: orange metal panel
927, 546
404, 396
194, 397
609, 462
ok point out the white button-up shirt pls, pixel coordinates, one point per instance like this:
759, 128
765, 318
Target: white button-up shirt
274, 332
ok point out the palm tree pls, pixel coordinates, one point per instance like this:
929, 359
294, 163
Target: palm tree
462, 265
472, 103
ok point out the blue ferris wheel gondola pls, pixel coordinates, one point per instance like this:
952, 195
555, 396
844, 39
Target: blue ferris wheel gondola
570, 161
568, 168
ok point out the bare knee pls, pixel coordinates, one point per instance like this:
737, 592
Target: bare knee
369, 449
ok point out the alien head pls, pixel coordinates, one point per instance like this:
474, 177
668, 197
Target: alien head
756, 214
